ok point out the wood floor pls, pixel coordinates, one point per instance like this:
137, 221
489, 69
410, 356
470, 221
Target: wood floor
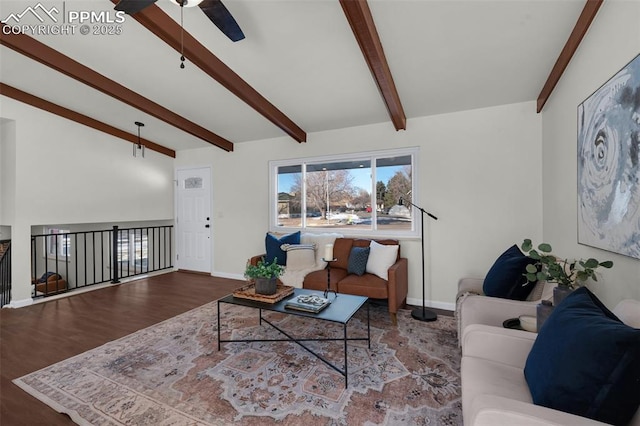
34, 337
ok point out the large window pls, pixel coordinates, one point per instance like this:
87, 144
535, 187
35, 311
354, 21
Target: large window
357, 193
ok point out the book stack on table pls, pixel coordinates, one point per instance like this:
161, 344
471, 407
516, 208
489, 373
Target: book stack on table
308, 303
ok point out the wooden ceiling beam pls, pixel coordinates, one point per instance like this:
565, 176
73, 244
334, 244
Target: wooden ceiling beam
164, 27
61, 111
364, 29
582, 25
50, 57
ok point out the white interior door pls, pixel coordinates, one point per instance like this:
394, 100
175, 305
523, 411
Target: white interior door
193, 220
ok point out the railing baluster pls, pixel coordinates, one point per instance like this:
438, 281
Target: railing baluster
34, 258
115, 255
93, 246
75, 257
67, 240
5, 273
57, 275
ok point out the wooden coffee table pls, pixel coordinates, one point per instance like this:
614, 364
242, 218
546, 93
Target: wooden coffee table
342, 308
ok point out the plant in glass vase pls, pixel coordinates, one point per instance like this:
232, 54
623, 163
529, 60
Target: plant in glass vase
568, 274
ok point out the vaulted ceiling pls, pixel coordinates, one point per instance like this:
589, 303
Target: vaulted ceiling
305, 66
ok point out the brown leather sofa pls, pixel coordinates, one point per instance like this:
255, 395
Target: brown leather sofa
394, 289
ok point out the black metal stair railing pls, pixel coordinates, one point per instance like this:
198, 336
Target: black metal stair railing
5, 272
70, 260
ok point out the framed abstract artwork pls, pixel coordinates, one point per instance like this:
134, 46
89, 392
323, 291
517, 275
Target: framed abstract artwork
609, 164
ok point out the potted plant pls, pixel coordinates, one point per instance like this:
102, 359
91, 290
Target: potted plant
568, 274
264, 275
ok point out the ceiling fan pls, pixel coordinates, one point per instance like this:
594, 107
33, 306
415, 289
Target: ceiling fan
214, 9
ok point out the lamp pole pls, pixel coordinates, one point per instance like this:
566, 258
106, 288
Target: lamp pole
421, 314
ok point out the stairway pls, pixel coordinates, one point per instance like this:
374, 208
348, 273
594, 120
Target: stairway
3, 249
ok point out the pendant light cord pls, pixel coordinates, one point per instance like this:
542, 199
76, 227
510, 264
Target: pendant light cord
181, 35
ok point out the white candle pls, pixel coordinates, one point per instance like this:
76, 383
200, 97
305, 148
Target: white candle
328, 252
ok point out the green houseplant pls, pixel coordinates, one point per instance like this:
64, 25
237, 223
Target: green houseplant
264, 275
568, 274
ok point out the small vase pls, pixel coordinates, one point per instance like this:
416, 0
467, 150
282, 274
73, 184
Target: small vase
266, 286
543, 310
559, 293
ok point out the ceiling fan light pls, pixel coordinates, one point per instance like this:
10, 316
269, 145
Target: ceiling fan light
186, 3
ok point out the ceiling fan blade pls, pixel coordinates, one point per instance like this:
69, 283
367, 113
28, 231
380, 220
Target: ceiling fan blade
219, 15
133, 6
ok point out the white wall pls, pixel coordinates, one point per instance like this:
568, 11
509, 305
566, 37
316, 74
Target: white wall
69, 173
7, 170
480, 173
611, 42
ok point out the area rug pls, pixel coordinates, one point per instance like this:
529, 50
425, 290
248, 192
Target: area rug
173, 374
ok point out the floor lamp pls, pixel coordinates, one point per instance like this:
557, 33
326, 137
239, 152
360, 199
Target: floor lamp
421, 314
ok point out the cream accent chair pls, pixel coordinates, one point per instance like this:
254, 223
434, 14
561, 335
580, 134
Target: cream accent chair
494, 389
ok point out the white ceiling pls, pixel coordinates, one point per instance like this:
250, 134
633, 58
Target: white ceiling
445, 56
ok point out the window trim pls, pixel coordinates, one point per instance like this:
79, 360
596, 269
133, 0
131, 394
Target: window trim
414, 232
51, 255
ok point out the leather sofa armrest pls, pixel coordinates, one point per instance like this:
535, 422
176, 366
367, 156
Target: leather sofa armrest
255, 259
491, 410
398, 284
503, 345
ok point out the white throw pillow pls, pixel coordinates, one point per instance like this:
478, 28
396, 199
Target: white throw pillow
320, 240
300, 256
381, 257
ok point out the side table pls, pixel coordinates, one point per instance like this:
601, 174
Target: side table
328, 290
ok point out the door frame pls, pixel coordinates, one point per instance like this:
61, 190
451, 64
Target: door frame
175, 213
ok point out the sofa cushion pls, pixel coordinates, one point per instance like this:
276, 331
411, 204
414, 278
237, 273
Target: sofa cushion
341, 251
358, 260
317, 280
505, 279
485, 377
366, 242
366, 285
273, 247
585, 361
381, 258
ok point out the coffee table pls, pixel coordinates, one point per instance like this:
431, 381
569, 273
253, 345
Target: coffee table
341, 310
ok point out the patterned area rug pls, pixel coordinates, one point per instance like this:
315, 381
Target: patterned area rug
173, 374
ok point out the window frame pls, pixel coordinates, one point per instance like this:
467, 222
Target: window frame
131, 247
371, 156
63, 239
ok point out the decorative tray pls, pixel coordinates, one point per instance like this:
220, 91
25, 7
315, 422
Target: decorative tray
249, 292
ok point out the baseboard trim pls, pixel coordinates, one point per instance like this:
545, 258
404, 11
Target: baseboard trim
432, 304
228, 275
19, 303
188, 271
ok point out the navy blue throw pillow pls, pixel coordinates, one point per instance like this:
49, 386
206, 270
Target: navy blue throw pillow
358, 260
273, 243
584, 361
505, 279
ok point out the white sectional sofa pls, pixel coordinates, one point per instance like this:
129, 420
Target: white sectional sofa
494, 389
